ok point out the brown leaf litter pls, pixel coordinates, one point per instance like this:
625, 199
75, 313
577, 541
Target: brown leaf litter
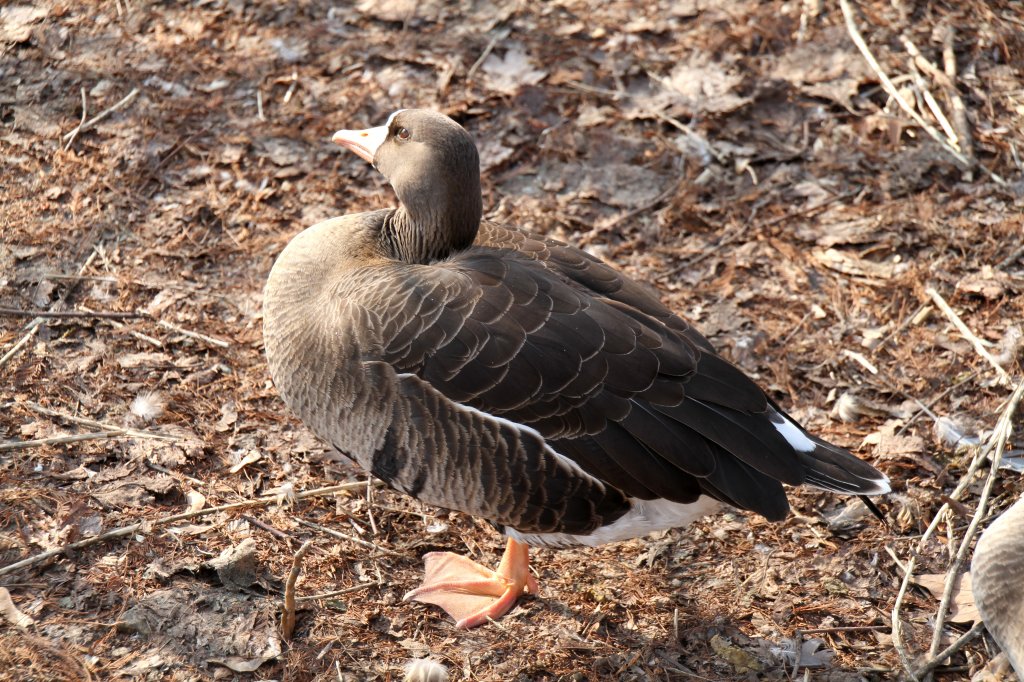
741, 157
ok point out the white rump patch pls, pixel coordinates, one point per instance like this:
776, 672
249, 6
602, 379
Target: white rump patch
644, 517
793, 435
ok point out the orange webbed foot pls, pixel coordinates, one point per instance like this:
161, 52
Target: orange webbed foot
473, 594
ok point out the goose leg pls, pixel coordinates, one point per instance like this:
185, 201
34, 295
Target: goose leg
473, 594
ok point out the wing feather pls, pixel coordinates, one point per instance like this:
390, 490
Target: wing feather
541, 335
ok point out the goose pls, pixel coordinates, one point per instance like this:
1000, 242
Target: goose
997, 580
480, 368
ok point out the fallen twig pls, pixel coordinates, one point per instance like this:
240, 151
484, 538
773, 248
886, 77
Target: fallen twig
291, 87
57, 440
349, 538
927, 408
72, 278
916, 318
921, 62
960, 120
135, 433
276, 532
369, 506
172, 473
798, 638
87, 125
193, 335
123, 327
501, 34
843, 628
33, 330
128, 530
998, 442
74, 133
897, 624
632, 213
338, 593
15, 312
908, 570
860, 360
956, 646
288, 612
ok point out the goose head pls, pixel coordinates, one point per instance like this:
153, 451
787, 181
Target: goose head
433, 166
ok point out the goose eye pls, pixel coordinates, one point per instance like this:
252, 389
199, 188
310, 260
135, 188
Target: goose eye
403, 134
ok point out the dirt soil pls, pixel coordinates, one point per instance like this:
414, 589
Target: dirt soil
741, 157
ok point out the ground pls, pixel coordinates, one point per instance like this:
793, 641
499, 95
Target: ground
744, 158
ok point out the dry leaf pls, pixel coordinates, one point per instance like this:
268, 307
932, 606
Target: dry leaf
988, 283
811, 653
508, 73
493, 153
849, 264
889, 446
196, 500
962, 607
16, 22
228, 416
133, 360
236, 566
282, 152
11, 612
415, 647
704, 85
741, 660
827, 67
868, 230
401, 11
249, 458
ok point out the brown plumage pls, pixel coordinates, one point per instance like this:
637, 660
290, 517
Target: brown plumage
480, 368
997, 578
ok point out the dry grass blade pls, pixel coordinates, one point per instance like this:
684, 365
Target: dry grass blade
22, 342
74, 133
997, 443
893, 91
1004, 427
948, 311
